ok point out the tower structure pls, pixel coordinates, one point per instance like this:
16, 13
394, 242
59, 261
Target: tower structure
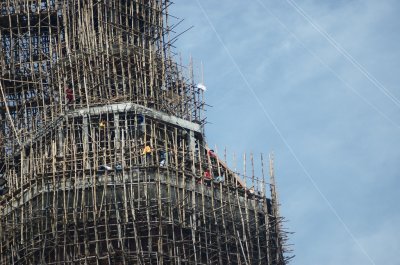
103, 158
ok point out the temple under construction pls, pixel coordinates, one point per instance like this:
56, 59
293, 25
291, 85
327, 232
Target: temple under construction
103, 158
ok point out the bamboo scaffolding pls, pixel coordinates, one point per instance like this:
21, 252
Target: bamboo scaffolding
103, 150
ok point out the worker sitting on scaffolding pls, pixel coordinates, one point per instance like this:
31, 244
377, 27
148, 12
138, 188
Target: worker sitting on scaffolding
163, 157
211, 153
69, 95
219, 179
118, 168
251, 192
147, 153
102, 124
207, 177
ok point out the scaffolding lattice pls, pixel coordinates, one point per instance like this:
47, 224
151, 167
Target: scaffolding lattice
103, 158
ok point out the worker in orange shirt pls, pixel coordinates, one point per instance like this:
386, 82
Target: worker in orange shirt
147, 153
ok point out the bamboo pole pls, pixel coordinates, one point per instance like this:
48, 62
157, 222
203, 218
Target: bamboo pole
65, 67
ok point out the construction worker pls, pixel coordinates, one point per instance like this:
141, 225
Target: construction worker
147, 153
102, 124
211, 153
219, 179
118, 167
251, 192
69, 94
207, 177
162, 158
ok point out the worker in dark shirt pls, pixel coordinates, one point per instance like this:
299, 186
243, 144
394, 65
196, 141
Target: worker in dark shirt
69, 94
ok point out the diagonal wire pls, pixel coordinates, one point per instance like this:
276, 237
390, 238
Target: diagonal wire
344, 52
330, 69
288, 146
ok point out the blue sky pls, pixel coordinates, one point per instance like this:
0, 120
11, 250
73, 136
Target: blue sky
341, 130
